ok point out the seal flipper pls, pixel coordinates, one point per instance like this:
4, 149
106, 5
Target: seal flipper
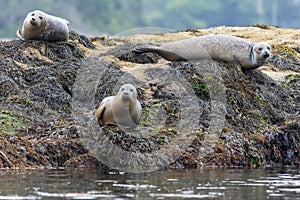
99, 114
168, 55
136, 116
19, 34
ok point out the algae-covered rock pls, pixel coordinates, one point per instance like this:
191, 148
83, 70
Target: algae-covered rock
204, 113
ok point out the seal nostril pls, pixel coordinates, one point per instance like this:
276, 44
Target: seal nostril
266, 55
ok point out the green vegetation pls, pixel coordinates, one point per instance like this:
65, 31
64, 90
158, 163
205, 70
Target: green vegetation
231, 100
95, 17
201, 89
290, 79
10, 123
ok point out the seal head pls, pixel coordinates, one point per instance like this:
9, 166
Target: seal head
261, 52
127, 93
33, 25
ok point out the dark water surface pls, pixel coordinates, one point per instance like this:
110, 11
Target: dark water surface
183, 184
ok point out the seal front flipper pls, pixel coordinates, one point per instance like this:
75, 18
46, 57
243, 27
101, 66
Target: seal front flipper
136, 116
168, 55
239, 68
19, 34
99, 114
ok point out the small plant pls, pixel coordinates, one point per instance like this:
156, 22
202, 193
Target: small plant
289, 80
27, 101
231, 100
201, 89
10, 123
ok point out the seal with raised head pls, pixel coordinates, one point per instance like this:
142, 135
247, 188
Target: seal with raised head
222, 47
39, 25
123, 109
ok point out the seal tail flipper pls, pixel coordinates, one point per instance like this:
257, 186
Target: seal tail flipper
19, 34
65, 21
146, 48
169, 55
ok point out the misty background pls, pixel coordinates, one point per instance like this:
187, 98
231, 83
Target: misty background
109, 17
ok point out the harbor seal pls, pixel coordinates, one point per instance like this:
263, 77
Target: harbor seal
123, 109
222, 47
42, 26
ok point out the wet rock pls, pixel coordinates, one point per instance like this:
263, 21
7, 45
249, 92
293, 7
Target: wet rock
83, 161
82, 40
124, 52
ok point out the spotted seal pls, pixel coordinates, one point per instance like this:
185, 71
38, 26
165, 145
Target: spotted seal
222, 47
123, 109
39, 25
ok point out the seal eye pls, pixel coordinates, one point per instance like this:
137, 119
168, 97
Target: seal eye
122, 89
268, 48
32, 14
41, 17
260, 49
131, 90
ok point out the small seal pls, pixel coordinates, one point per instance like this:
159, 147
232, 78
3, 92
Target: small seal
42, 26
222, 47
123, 110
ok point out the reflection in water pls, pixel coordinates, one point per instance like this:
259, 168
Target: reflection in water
183, 184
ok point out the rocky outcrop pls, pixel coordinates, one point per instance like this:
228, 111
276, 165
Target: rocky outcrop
204, 113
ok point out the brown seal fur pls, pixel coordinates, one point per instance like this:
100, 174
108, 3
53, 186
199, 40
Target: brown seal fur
222, 47
123, 109
42, 26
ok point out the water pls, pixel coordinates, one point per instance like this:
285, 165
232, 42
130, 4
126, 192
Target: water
182, 184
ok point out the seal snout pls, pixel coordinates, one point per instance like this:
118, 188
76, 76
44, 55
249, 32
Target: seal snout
33, 21
125, 96
266, 55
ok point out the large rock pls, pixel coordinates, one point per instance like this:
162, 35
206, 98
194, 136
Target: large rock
194, 113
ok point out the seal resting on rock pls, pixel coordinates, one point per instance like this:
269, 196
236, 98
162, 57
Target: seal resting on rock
42, 26
123, 109
222, 47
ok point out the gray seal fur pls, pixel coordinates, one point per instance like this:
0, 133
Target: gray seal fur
222, 47
39, 25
